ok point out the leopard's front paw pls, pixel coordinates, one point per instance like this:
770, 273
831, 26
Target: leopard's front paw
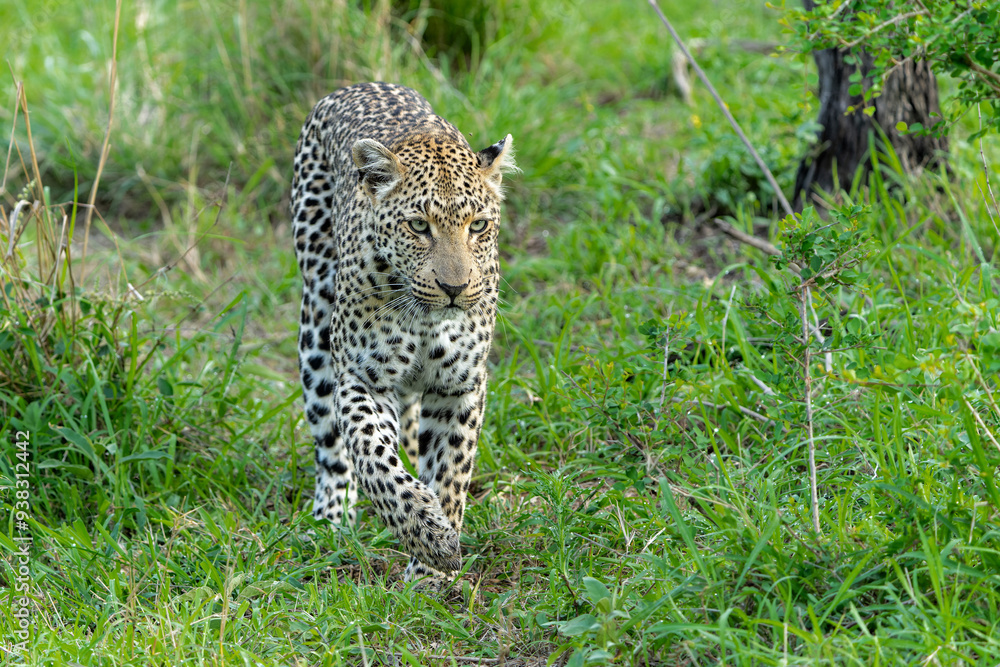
428, 535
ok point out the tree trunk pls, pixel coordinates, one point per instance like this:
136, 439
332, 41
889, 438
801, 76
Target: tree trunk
909, 95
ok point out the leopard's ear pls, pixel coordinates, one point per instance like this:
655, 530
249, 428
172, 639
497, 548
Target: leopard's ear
496, 161
378, 168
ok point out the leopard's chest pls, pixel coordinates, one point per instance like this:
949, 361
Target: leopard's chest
413, 352
452, 355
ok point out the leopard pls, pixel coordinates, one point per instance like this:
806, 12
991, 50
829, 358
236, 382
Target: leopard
396, 224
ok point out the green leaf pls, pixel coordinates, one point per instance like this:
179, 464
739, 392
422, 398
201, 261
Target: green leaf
197, 595
146, 456
579, 625
263, 588
80, 441
73, 469
596, 590
990, 341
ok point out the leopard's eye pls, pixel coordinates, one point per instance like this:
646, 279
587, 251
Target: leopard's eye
479, 226
419, 225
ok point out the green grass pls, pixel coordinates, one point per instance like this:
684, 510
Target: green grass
624, 511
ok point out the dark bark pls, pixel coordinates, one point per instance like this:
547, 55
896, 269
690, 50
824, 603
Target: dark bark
909, 94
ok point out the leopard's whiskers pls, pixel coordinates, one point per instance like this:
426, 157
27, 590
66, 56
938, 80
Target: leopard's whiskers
387, 288
381, 309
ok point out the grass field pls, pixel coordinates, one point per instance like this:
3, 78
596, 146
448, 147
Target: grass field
642, 490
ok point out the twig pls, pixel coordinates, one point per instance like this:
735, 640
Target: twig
105, 146
879, 27
986, 171
805, 298
666, 356
715, 406
982, 384
993, 79
842, 7
982, 424
828, 354
743, 237
760, 385
752, 241
725, 111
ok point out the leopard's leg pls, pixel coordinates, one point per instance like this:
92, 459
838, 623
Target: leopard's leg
335, 493
409, 423
312, 202
449, 434
369, 421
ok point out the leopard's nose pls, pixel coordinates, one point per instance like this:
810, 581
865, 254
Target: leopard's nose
451, 290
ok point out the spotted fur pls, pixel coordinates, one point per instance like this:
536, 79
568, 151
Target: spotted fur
395, 224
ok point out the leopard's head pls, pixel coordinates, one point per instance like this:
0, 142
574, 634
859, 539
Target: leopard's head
436, 216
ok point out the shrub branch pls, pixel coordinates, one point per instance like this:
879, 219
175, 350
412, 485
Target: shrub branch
725, 110
805, 299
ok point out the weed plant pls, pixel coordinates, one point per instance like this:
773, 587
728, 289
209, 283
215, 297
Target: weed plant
642, 495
